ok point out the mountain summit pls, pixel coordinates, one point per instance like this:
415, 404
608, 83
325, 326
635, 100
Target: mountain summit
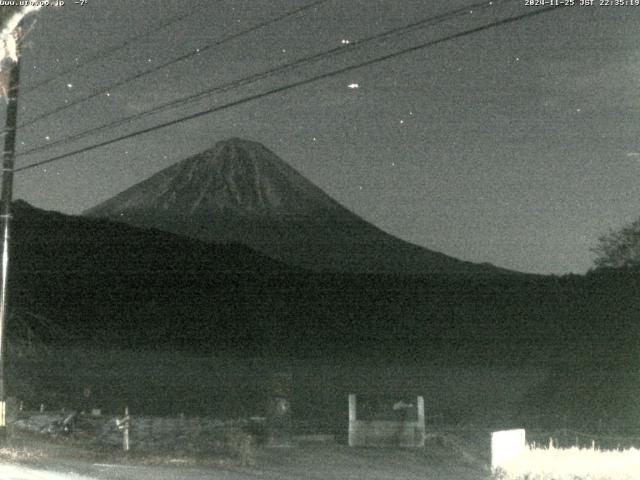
235, 177
240, 191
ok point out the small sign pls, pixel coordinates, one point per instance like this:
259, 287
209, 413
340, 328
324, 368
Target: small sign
390, 408
506, 444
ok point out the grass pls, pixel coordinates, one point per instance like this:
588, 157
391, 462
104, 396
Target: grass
168, 383
234, 447
228, 387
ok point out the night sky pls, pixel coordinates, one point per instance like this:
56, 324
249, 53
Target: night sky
516, 145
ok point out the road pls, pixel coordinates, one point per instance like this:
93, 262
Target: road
79, 471
330, 462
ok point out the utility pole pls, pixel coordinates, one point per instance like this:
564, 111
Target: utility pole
5, 212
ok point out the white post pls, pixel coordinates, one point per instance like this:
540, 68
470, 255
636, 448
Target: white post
352, 419
125, 433
421, 424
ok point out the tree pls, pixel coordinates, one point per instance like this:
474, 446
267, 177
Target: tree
11, 34
619, 248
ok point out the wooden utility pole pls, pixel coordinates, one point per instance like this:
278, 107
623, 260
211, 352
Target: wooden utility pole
5, 213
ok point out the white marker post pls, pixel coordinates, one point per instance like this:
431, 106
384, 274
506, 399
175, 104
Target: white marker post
124, 424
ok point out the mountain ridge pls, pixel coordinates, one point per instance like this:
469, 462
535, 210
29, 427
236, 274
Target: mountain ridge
240, 191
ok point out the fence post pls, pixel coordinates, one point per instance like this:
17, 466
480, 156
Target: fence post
279, 419
421, 423
124, 424
125, 440
352, 419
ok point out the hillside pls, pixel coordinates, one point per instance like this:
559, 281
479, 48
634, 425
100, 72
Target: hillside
110, 283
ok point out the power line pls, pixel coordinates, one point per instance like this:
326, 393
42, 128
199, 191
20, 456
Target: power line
157, 68
108, 52
295, 85
273, 71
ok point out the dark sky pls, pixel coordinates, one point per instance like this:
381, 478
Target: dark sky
516, 145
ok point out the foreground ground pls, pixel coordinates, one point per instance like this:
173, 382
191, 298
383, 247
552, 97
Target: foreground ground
184, 405
444, 457
310, 462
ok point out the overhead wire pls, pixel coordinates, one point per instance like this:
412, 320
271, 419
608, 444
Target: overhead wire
272, 71
100, 55
193, 53
299, 83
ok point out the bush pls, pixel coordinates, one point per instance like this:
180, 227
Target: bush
241, 446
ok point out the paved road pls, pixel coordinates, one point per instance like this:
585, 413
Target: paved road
79, 471
308, 463
10, 471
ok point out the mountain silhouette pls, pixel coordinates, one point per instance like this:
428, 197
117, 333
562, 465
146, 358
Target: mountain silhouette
241, 192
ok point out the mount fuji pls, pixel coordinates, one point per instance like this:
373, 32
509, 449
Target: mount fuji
241, 192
